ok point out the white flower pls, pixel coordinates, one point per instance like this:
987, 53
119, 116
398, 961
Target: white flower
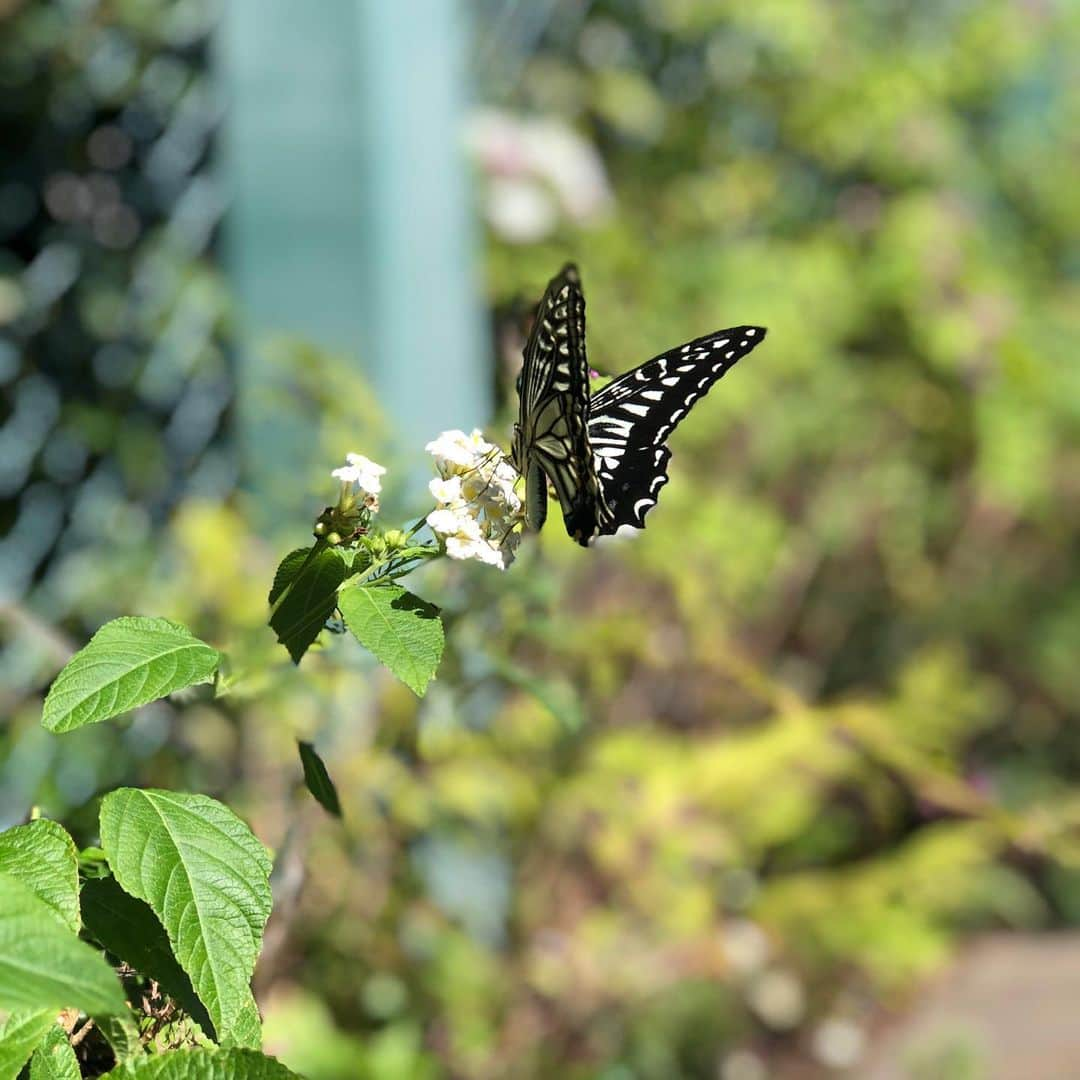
455, 452
457, 523
448, 491
478, 510
361, 471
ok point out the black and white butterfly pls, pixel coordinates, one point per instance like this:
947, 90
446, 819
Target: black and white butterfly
606, 456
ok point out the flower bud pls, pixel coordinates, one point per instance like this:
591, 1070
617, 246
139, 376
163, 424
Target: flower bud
395, 539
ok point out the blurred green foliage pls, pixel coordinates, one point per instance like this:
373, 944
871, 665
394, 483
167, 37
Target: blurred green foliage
676, 804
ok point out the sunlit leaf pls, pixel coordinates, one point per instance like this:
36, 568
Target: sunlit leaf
20, 1033
206, 877
402, 631
42, 855
203, 1065
128, 662
43, 965
54, 1059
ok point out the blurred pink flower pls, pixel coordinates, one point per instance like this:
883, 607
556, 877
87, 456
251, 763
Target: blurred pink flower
537, 170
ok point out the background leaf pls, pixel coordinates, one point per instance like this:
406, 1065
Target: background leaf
402, 631
203, 1065
19, 1034
311, 600
43, 965
318, 779
129, 929
43, 856
206, 877
128, 662
54, 1059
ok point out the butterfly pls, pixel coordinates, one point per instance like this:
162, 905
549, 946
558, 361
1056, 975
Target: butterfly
605, 454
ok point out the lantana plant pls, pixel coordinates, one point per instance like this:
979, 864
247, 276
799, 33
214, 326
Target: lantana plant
354, 565
103, 952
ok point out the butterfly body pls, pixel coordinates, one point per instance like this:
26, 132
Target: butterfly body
605, 455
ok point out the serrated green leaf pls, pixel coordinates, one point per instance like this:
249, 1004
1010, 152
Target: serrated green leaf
43, 965
203, 1065
286, 572
121, 1034
19, 1034
206, 877
302, 611
54, 1059
402, 631
128, 662
43, 856
129, 929
318, 779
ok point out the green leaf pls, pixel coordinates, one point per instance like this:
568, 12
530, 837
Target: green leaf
318, 779
128, 662
43, 856
130, 931
121, 1034
45, 966
206, 878
286, 572
203, 1065
19, 1034
403, 632
54, 1059
305, 598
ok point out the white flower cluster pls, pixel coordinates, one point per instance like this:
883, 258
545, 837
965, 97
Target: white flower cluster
365, 476
478, 510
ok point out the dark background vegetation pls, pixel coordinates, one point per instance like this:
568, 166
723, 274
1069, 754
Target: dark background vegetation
718, 800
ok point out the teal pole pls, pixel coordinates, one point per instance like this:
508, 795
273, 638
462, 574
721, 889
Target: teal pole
350, 221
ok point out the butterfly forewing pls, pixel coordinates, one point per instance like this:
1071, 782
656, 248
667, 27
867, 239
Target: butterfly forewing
631, 419
552, 440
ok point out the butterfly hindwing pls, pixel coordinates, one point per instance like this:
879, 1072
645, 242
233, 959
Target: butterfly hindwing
632, 417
